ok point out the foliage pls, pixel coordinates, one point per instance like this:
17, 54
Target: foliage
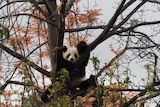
4, 32
31, 31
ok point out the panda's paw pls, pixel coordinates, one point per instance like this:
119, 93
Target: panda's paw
45, 98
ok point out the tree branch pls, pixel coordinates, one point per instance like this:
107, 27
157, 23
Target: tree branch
35, 3
154, 1
68, 8
8, 3
136, 90
85, 28
133, 100
155, 94
128, 16
25, 60
108, 27
110, 63
26, 14
137, 25
127, 5
17, 83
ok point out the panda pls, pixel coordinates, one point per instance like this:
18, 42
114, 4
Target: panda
72, 55
68, 58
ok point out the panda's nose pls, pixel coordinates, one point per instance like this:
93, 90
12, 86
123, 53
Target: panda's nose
71, 59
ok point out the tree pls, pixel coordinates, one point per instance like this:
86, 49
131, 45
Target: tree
31, 30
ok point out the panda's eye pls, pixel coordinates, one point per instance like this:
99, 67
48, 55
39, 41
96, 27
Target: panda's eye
75, 55
68, 56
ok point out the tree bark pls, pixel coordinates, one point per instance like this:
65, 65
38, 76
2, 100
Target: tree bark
53, 36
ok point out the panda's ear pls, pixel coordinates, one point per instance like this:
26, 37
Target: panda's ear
81, 46
64, 48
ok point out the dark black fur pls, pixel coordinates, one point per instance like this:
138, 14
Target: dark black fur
82, 47
76, 72
82, 88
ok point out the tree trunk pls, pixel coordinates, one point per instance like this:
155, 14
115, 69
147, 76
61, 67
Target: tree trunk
53, 37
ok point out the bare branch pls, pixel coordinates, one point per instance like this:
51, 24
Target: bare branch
133, 100
85, 28
68, 8
26, 14
108, 27
25, 60
146, 47
135, 90
17, 83
154, 1
154, 94
128, 16
137, 25
127, 5
15, 1
37, 7
37, 48
110, 63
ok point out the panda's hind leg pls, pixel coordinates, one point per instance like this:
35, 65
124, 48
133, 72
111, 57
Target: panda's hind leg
82, 88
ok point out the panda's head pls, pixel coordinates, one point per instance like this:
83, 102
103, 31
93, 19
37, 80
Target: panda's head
70, 54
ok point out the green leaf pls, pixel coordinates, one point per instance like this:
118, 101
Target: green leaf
5, 31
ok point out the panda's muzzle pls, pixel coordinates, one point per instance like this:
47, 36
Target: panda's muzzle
71, 60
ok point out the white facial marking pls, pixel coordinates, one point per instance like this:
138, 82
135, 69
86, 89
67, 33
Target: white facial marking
71, 54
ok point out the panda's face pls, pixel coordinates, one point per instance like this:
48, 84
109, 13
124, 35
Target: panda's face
71, 54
